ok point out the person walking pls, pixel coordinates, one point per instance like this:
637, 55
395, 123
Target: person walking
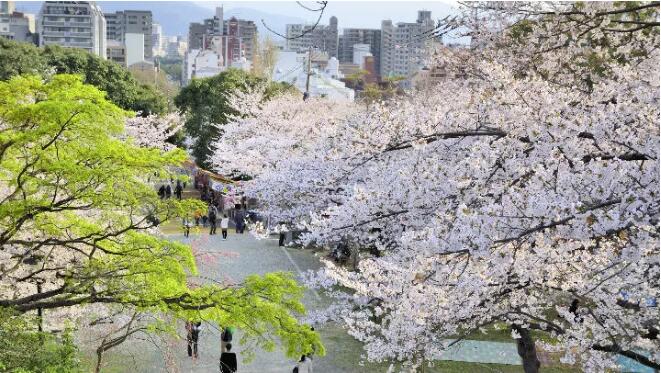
237, 223
161, 191
168, 191
178, 190
187, 223
213, 214
228, 361
304, 365
193, 329
226, 338
224, 224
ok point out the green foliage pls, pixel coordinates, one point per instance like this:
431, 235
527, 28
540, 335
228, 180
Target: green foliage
122, 89
171, 66
25, 350
357, 79
75, 196
157, 82
205, 102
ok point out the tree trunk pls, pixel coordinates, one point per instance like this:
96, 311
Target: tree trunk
99, 356
354, 257
526, 348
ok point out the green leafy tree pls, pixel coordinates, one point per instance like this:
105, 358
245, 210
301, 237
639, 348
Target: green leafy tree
205, 103
20, 58
158, 82
77, 214
122, 88
24, 349
356, 79
171, 66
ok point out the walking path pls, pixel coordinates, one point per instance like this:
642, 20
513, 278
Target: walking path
242, 255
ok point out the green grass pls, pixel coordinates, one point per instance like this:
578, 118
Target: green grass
463, 367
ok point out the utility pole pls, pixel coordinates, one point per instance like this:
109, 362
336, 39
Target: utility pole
307, 80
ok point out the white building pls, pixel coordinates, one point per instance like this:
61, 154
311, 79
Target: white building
157, 39
291, 67
135, 48
73, 24
360, 51
201, 64
17, 26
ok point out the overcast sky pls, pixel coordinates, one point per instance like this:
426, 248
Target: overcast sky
367, 14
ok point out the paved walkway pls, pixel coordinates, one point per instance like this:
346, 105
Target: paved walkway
241, 255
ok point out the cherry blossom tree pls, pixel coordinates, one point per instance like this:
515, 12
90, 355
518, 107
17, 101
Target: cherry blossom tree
524, 193
153, 130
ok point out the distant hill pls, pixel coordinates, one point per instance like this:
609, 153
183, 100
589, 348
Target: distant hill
175, 16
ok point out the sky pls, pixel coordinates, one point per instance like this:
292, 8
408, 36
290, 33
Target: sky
365, 14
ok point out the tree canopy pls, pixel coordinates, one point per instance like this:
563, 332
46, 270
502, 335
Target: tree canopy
78, 221
206, 106
122, 88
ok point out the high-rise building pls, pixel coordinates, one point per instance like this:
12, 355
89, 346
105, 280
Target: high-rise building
322, 37
7, 7
242, 34
175, 46
16, 25
196, 35
156, 39
232, 39
73, 24
353, 36
131, 22
404, 46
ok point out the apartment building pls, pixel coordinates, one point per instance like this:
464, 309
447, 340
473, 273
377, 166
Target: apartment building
405, 46
353, 36
320, 37
156, 39
73, 24
233, 39
16, 25
124, 22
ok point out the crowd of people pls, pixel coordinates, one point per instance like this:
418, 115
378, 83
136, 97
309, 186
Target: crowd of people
218, 209
166, 190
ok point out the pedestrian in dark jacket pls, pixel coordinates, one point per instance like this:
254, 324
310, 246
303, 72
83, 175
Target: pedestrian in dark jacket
193, 329
168, 191
178, 190
225, 339
161, 191
228, 361
213, 215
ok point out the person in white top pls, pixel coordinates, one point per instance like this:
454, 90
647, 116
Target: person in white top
224, 224
304, 365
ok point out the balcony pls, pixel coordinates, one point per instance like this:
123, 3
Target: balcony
78, 44
74, 34
54, 23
